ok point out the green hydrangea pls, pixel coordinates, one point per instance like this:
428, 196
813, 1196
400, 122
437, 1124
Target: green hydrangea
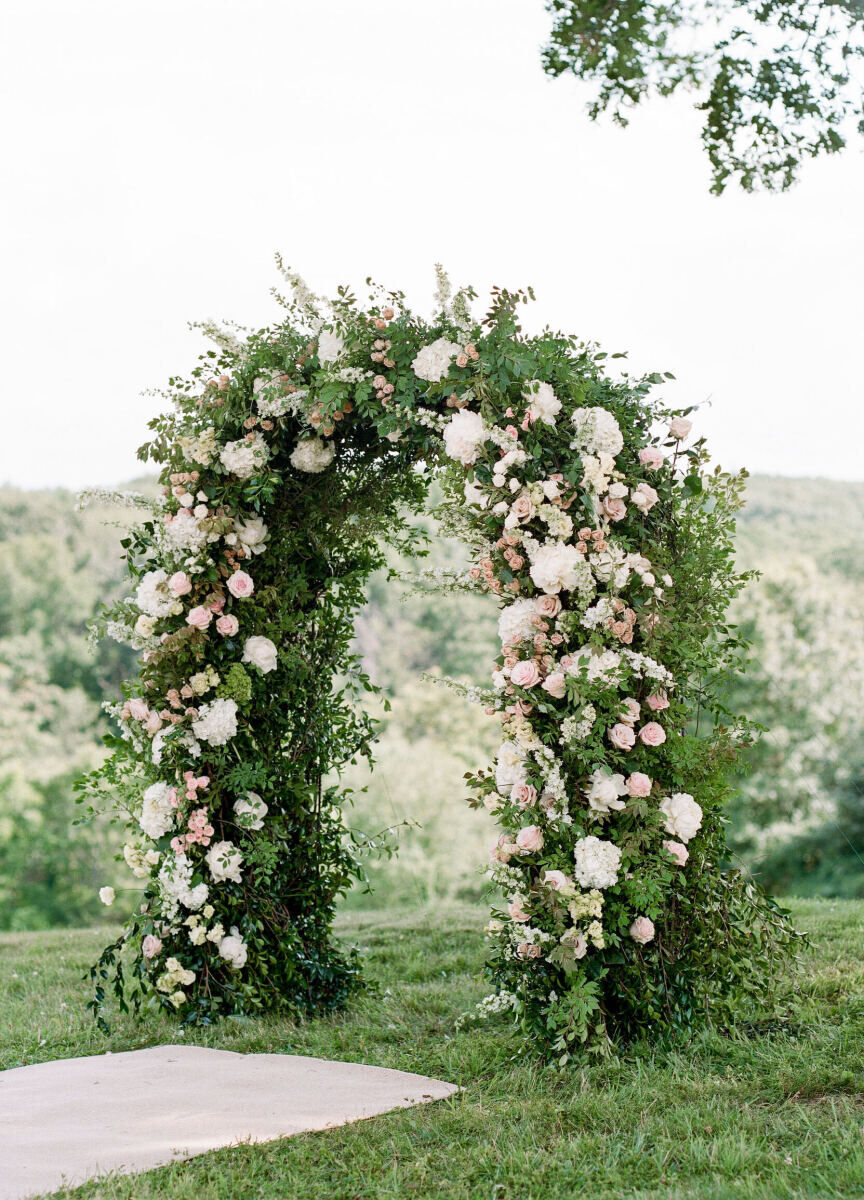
236, 685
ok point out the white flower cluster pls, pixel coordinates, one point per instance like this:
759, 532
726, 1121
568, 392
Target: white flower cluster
464, 436
597, 431
154, 597
433, 361
246, 456
216, 722
312, 455
597, 862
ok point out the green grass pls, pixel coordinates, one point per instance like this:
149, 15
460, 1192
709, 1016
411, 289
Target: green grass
767, 1115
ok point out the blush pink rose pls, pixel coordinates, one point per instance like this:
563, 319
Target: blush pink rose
548, 606
555, 685
151, 946
556, 880
622, 737
642, 930
517, 912
523, 794
241, 585
527, 950
529, 839
630, 710
139, 709
650, 456
615, 509
657, 701
227, 625
525, 674
678, 851
679, 428
638, 785
503, 850
652, 734
522, 508
153, 723
180, 583
644, 497
199, 617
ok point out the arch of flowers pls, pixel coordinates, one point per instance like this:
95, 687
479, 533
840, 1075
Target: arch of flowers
289, 458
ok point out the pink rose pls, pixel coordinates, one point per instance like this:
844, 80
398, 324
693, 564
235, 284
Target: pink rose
227, 625
525, 674
199, 617
555, 685
151, 946
241, 585
638, 785
652, 734
556, 880
616, 510
153, 723
622, 737
548, 606
523, 794
642, 930
678, 851
529, 839
139, 709
502, 850
650, 456
216, 604
657, 701
180, 583
644, 497
526, 950
630, 710
517, 912
679, 428
522, 508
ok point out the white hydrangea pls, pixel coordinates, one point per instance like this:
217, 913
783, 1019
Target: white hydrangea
272, 398
597, 862
597, 431
200, 449
510, 766
245, 456
604, 665
225, 860
217, 722
233, 949
251, 534
545, 405
260, 652
433, 361
556, 567
330, 346
683, 815
175, 885
313, 455
184, 532
604, 791
516, 622
250, 811
153, 595
464, 434
157, 811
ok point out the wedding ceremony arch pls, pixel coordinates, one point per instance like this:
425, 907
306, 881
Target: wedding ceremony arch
290, 459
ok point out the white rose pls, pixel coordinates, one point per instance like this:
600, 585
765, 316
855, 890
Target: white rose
251, 534
250, 811
464, 435
106, 895
233, 949
145, 626
157, 811
261, 653
224, 861
683, 815
604, 790
510, 767
475, 496
545, 405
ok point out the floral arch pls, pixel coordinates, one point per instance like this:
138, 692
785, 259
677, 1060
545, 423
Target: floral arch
289, 458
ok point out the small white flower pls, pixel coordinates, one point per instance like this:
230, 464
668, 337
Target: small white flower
106, 895
312, 455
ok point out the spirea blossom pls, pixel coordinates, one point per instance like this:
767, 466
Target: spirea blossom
597, 862
433, 361
597, 431
312, 455
464, 435
217, 722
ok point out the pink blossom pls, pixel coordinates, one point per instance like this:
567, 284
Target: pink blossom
525, 674
548, 606
622, 737
241, 585
638, 785
630, 710
556, 880
527, 950
227, 625
153, 723
644, 497
503, 850
616, 510
555, 685
657, 701
180, 583
650, 456
199, 617
151, 946
642, 930
652, 734
139, 709
679, 428
523, 794
678, 851
517, 912
529, 839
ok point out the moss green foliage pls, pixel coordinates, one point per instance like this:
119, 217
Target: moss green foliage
770, 1110
778, 81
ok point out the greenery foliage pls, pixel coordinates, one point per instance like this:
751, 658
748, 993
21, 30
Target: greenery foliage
779, 80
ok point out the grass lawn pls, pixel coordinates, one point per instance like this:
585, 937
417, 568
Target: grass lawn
766, 1114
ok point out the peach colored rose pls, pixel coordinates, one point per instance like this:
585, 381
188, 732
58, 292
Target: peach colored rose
642, 930
622, 737
522, 508
638, 785
529, 839
555, 685
526, 950
652, 734
678, 851
139, 709
548, 606
651, 457
503, 850
657, 701
517, 912
523, 794
199, 617
615, 510
525, 674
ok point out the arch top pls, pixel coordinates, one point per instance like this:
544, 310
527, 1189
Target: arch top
290, 455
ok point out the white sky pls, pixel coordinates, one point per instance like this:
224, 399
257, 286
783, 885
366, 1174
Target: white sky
156, 154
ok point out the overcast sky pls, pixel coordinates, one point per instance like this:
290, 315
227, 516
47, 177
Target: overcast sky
157, 154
